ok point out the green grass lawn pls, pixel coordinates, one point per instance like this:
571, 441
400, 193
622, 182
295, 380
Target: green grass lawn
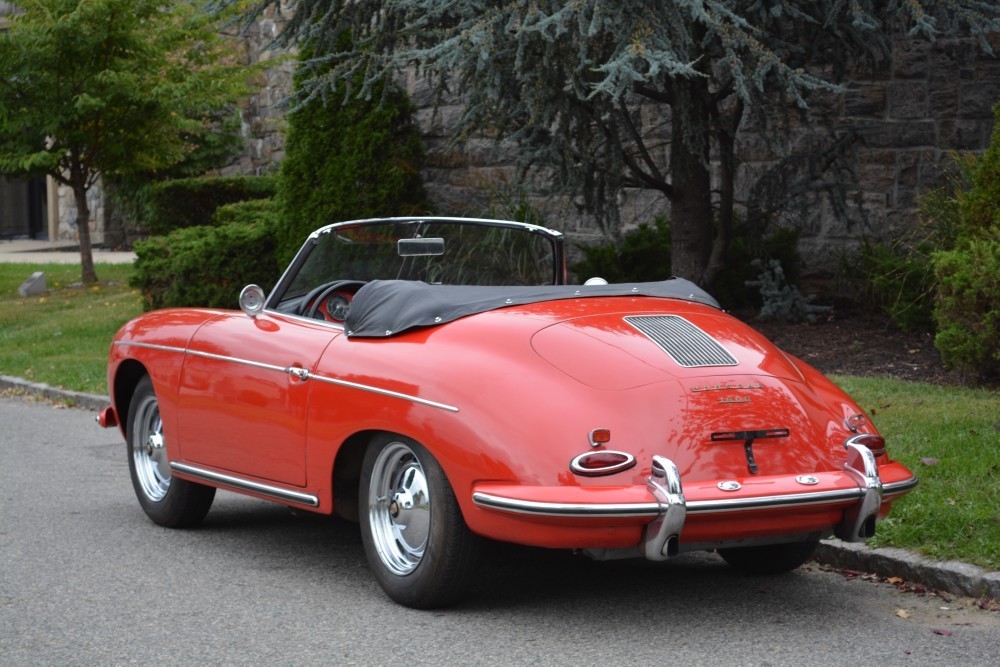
62, 338
949, 436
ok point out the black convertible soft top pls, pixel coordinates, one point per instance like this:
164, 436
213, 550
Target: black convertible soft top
388, 307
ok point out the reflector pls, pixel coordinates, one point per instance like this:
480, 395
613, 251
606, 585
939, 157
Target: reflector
600, 436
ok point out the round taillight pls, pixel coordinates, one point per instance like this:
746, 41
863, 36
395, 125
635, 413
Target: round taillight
872, 441
605, 462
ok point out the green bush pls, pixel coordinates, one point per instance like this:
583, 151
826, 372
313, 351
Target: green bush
642, 256
348, 160
209, 265
898, 278
248, 213
897, 274
751, 244
191, 202
968, 306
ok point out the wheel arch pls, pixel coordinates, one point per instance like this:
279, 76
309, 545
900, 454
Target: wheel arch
127, 377
346, 474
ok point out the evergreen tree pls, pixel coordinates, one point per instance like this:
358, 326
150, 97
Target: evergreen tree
566, 79
348, 159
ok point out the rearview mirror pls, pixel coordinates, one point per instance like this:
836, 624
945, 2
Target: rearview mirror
420, 247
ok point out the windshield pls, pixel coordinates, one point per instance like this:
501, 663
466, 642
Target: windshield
435, 251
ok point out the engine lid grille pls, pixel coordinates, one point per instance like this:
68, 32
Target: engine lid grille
686, 344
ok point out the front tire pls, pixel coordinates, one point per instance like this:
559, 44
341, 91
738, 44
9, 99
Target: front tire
175, 503
415, 539
770, 558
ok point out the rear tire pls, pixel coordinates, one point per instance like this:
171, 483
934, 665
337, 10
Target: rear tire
769, 559
416, 541
171, 502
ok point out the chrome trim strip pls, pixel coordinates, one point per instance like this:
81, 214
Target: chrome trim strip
237, 360
150, 346
897, 488
246, 485
384, 392
626, 510
581, 510
773, 502
284, 369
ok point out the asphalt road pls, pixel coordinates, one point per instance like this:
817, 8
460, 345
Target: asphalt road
86, 579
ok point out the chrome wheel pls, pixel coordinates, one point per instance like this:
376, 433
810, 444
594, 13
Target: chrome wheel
399, 508
149, 455
167, 500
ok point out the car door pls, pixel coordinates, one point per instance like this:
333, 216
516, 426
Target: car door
244, 394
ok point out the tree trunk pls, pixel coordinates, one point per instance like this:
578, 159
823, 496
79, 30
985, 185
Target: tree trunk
88, 275
691, 206
726, 132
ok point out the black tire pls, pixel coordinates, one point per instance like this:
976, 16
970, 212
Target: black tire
769, 559
403, 488
168, 501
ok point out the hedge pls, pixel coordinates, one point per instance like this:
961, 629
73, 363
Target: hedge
192, 202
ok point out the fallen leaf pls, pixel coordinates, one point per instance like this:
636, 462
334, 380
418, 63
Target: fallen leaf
928, 460
894, 580
943, 633
951, 501
945, 596
902, 613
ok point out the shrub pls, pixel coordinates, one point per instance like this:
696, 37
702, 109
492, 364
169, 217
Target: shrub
732, 286
191, 202
347, 160
642, 256
782, 302
898, 278
248, 213
208, 265
897, 274
968, 306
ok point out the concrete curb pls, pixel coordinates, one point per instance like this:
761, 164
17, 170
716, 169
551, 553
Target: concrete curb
953, 577
76, 399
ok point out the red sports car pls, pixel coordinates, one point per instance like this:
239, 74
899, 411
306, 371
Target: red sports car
436, 380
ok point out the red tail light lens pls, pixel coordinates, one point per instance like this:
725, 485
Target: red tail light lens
599, 436
872, 441
593, 464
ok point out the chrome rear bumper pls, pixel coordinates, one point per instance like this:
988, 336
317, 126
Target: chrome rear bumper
671, 510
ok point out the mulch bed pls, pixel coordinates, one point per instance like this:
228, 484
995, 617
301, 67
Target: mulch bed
866, 344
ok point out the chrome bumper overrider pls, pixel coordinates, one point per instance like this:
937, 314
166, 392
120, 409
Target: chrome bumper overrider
670, 510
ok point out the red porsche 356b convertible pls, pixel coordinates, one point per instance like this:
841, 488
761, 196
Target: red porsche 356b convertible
436, 380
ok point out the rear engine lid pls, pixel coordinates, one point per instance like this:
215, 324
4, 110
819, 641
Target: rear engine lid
625, 350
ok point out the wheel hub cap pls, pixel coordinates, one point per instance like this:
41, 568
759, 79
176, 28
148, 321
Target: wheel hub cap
399, 508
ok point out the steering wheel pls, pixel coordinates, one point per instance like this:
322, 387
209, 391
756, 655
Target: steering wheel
318, 295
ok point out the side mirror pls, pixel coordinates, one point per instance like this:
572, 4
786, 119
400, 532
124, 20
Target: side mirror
252, 300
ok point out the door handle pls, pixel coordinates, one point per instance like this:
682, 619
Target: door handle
295, 371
